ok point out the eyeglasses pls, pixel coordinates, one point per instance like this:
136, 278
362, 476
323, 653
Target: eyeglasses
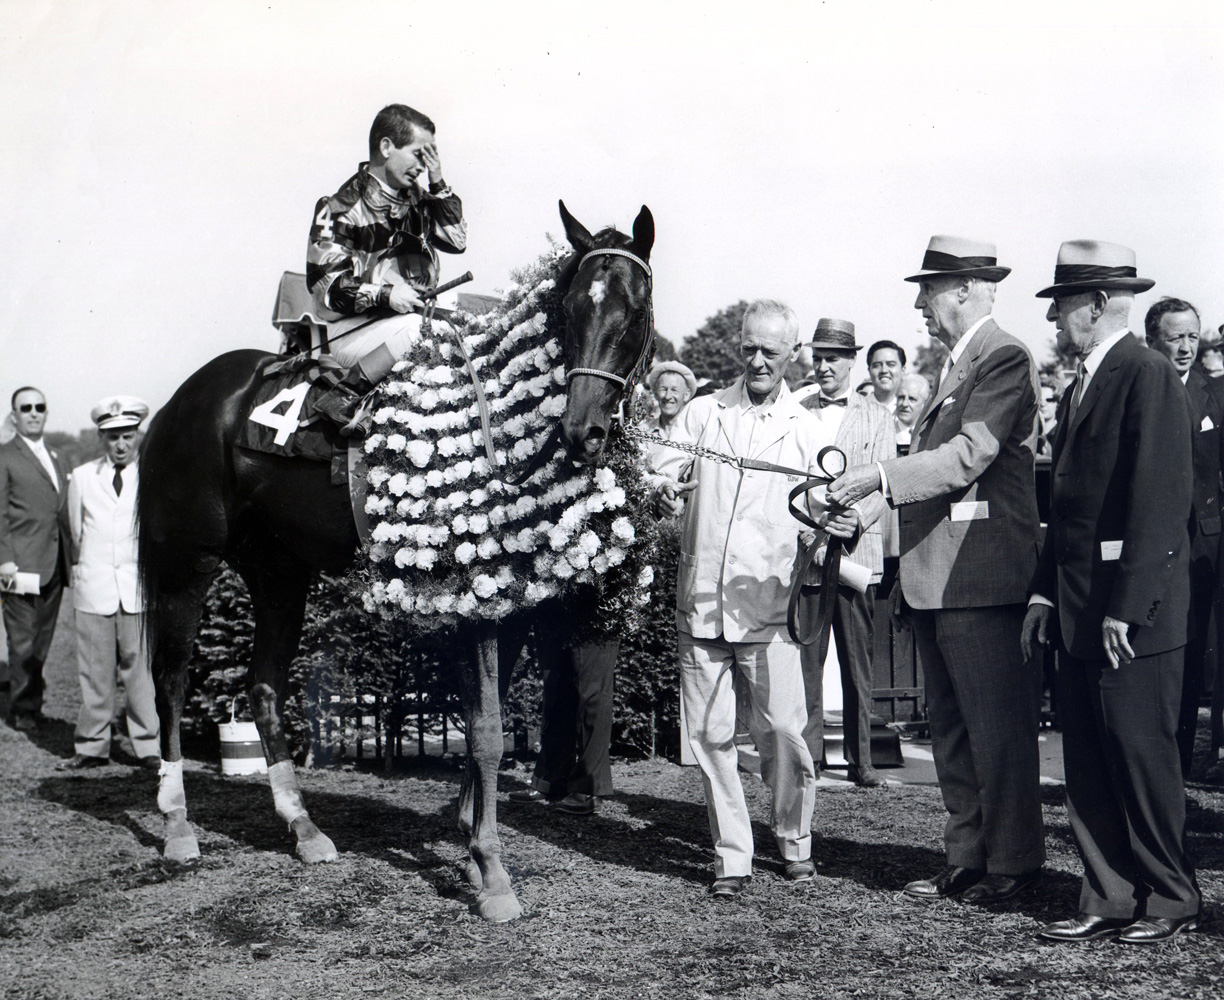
36, 407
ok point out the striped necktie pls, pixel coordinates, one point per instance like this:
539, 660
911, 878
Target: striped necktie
1081, 376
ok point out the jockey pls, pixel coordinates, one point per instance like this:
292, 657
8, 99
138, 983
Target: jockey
374, 250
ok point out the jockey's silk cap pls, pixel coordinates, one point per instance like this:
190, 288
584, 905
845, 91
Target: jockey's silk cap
835, 334
117, 412
1086, 265
676, 368
957, 256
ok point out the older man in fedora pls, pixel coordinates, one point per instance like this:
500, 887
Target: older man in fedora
106, 592
863, 430
1112, 587
968, 525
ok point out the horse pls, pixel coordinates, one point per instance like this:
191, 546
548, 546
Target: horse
277, 521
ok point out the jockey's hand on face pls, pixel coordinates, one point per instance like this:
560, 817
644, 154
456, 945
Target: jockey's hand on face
432, 163
404, 299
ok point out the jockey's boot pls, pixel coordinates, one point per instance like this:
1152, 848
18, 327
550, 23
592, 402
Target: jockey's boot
341, 404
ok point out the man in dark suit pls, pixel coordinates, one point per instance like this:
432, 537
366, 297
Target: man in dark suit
1115, 574
968, 514
863, 430
1172, 328
35, 540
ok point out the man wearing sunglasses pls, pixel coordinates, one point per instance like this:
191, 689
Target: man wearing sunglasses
35, 540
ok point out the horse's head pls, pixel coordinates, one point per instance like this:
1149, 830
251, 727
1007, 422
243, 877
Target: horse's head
609, 327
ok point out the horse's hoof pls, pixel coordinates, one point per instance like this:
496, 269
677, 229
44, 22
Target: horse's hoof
471, 872
181, 843
184, 848
313, 845
500, 909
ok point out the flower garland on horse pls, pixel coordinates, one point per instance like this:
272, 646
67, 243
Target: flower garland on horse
452, 539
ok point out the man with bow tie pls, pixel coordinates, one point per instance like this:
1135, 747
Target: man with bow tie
863, 430
106, 592
35, 552
968, 513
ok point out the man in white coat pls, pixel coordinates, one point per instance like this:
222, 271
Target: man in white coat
737, 556
106, 594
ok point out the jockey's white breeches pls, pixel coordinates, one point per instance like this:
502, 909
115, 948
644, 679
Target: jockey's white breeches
398, 332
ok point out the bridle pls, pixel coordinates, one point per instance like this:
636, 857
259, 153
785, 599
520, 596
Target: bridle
635, 373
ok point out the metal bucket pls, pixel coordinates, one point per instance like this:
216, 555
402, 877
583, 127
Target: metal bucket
241, 751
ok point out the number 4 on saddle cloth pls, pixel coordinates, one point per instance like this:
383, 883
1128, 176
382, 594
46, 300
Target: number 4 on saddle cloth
278, 423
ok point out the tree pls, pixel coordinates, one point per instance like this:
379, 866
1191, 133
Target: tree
713, 351
664, 349
929, 361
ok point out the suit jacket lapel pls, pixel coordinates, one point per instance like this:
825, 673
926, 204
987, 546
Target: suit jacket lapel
1196, 389
960, 371
28, 452
1100, 380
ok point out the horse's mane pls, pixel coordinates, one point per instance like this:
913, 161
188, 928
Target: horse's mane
452, 540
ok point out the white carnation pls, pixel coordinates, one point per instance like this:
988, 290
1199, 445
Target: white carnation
406, 557
398, 484
622, 528
645, 576
396, 442
484, 586
426, 558
419, 453
466, 604
465, 553
459, 525
478, 524
488, 548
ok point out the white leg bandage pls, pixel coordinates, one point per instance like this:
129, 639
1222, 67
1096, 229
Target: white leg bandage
285, 793
170, 794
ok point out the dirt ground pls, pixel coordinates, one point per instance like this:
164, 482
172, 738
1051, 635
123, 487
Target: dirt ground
614, 904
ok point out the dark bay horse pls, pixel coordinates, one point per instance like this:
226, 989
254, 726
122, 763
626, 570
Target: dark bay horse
277, 521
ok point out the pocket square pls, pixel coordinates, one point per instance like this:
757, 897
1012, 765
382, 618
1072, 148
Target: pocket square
1206, 425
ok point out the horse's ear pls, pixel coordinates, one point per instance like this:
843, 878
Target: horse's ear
578, 235
643, 233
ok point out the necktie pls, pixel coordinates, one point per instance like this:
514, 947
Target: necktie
823, 401
117, 482
1081, 376
947, 368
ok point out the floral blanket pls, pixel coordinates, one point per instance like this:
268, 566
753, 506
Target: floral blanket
452, 540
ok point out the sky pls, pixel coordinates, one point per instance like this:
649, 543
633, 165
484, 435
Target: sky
161, 161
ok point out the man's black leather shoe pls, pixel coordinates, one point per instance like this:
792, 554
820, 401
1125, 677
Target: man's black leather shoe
950, 881
1149, 930
866, 777
1083, 927
996, 888
81, 762
729, 885
528, 795
577, 804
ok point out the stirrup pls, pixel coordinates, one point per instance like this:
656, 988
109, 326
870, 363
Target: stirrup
361, 422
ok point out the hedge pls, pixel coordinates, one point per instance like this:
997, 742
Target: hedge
367, 662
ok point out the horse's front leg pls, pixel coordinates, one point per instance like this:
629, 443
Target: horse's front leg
478, 802
278, 594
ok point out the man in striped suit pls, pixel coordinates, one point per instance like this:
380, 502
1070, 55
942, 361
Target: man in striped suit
863, 430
